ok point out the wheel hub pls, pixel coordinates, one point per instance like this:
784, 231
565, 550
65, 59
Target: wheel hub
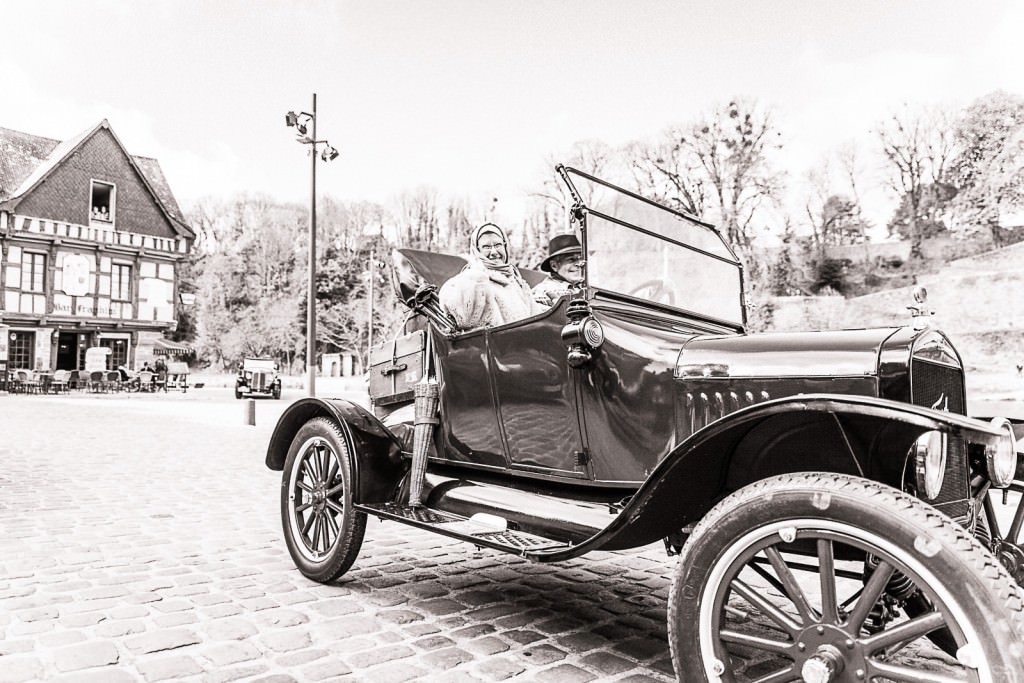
824, 652
319, 497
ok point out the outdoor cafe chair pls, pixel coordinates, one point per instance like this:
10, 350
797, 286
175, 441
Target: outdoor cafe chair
113, 380
79, 380
97, 381
146, 379
60, 382
25, 382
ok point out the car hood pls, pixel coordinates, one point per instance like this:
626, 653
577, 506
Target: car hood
785, 354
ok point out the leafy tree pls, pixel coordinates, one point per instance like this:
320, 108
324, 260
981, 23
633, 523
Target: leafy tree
927, 220
989, 168
248, 291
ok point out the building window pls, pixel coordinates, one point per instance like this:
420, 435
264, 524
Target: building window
20, 351
121, 283
101, 207
118, 352
33, 272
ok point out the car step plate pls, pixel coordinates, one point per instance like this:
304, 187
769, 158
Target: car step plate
462, 528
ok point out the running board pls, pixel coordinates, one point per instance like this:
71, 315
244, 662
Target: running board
470, 530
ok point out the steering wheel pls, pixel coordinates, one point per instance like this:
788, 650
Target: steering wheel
656, 290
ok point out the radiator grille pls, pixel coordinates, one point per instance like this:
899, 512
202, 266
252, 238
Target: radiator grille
259, 381
939, 386
934, 385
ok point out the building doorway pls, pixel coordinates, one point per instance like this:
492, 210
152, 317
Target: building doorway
67, 350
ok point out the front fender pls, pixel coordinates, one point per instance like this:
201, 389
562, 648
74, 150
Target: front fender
857, 435
377, 460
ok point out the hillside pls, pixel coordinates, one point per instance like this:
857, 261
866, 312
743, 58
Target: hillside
978, 302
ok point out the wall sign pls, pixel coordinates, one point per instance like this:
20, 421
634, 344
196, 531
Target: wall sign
76, 275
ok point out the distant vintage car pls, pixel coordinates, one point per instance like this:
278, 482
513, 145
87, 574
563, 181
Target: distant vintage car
258, 377
832, 505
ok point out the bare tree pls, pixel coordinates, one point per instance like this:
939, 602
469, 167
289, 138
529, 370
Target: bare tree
918, 146
666, 172
833, 211
590, 156
732, 146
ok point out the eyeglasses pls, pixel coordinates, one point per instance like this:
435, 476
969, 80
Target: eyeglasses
492, 246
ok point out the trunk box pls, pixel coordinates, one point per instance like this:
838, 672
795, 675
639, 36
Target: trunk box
395, 366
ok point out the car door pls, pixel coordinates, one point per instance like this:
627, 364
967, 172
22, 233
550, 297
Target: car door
536, 396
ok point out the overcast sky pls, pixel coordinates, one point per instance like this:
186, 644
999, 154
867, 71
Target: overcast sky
472, 96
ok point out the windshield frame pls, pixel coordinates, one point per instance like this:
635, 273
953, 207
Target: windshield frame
708, 234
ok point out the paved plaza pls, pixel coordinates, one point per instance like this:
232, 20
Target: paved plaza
140, 541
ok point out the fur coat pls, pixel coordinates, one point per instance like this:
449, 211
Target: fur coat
479, 297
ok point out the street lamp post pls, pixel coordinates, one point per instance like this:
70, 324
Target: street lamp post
301, 122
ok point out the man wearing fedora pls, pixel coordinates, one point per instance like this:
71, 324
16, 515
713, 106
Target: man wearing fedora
564, 266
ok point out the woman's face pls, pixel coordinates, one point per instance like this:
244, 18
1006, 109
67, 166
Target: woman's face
492, 248
569, 267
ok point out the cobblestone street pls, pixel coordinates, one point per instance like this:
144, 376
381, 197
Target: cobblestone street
140, 541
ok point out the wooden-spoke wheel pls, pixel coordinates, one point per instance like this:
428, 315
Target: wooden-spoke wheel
322, 529
808, 577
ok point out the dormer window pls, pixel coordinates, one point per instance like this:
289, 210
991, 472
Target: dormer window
102, 199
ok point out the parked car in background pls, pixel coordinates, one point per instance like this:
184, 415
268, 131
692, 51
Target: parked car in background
258, 377
834, 509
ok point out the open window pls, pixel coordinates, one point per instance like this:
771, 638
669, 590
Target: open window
102, 198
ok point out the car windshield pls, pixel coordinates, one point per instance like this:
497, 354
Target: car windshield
639, 249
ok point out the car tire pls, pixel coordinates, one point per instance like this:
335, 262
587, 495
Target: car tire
322, 529
738, 544
238, 393
277, 391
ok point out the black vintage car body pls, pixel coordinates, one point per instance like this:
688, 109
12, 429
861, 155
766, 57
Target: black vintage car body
258, 377
639, 409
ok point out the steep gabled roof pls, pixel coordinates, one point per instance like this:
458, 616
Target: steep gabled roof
26, 160
20, 154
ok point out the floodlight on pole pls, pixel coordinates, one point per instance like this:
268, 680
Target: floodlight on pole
303, 122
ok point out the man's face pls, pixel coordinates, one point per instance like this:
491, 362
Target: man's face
492, 248
569, 267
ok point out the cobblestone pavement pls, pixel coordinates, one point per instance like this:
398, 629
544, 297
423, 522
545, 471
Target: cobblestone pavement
140, 541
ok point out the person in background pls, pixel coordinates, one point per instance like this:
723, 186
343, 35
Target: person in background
490, 290
160, 366
564, 266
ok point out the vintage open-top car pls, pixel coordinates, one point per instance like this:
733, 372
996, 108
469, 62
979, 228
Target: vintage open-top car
832, 505
258, 377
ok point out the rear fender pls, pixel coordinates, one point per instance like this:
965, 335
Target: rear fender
856, 435
377, 461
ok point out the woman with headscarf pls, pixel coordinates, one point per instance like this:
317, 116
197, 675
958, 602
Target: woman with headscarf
490, 290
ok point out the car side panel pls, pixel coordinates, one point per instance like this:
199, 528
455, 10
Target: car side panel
537, 395
469, 423
627, 393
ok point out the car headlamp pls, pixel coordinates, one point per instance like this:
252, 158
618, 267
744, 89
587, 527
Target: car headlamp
1001, 457
929, 452
592, 333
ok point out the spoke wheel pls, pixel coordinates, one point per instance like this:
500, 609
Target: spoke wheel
321, 528
740, 611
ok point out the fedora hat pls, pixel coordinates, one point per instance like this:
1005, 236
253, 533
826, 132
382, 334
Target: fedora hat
559, 245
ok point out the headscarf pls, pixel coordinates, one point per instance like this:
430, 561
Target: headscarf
499, 272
